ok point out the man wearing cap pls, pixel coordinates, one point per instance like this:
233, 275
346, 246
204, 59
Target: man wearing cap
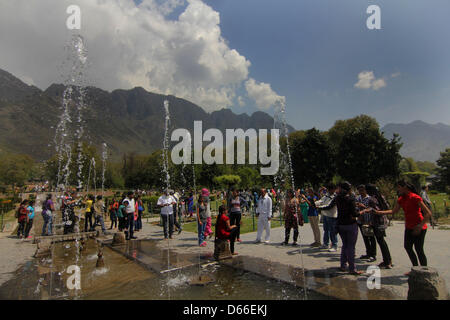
264, 213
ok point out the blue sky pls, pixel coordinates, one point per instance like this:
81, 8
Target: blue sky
316, 55
312, 51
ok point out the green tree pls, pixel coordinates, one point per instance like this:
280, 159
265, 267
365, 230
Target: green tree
426, 166
313, 159
365, 155
16, 169
444, 169
228, 180
250, 177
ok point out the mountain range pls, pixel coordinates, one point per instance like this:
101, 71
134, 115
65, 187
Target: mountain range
127, 120
133, 121
421, 141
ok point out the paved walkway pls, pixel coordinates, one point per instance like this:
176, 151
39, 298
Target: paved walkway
314, 259
15, 252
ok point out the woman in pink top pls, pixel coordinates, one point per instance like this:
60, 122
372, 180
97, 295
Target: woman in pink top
417, 215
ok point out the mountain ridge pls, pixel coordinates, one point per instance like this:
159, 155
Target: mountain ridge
421, 141
127, 120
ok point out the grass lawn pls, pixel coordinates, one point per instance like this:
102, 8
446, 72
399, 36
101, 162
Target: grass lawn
246, 226
439, 201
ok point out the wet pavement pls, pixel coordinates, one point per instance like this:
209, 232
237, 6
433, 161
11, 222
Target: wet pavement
281, 263
322, 266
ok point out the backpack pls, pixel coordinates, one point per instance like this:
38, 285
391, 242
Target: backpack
382, 221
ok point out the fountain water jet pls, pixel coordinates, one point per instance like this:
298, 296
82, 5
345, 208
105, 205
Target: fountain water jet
287, 166
104, 158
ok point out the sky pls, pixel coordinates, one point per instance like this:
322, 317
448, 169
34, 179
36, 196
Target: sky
316, 56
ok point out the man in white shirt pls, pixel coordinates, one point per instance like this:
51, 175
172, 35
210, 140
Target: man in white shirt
329, 219
264, 213
130, 208
166, 203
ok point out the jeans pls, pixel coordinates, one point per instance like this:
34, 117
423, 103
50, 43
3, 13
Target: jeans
329, 231
418, 242
349, 235
235, 219
99, 219
48, 224
167, 224
370, 244
139, 221
201, 232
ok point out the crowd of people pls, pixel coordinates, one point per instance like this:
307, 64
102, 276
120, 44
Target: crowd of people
342, 209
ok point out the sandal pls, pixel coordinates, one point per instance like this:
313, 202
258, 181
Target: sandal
355, 273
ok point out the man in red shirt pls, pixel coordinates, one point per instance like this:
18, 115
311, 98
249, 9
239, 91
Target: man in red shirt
417, 215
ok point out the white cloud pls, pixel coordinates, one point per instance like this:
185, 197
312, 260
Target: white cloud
367, 80
263, 94
395, 75
128, 46
241, 101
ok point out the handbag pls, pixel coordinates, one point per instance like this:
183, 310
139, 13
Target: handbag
367, 230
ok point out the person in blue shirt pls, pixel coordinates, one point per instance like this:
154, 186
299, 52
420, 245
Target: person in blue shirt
30, 218
313, 216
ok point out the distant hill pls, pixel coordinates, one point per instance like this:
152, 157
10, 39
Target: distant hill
421, 141
127, 120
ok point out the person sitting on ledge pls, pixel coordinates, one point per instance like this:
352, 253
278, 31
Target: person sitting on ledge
223, 229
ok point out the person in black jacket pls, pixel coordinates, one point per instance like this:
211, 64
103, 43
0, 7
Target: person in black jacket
346, 225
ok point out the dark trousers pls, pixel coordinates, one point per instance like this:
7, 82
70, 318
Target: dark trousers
167, 220
233, 236
122, 223
235, 219
418, 242
379, 236
21, 229
88, 218
130, 224
287, 233
349, 236
113, 218
177, 221
370, 243
28, 228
